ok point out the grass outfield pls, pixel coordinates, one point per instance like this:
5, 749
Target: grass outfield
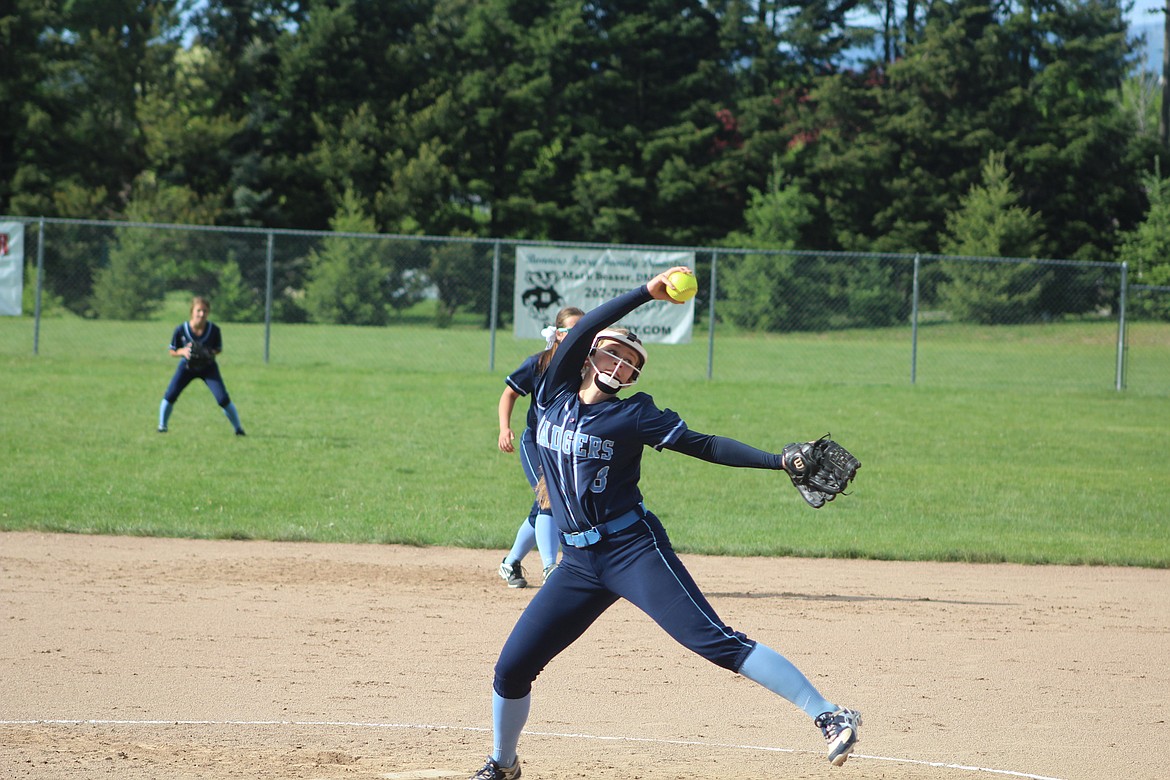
368, 435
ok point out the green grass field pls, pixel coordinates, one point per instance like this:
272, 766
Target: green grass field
388, 435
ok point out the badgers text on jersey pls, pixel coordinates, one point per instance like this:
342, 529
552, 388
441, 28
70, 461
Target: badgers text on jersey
570, 442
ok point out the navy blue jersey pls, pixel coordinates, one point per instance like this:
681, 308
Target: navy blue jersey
211, 338
591, 454
523, 381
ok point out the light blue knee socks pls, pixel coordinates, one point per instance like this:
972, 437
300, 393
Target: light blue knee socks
776, 673
548, 539
233, 416
525, 541
508, 719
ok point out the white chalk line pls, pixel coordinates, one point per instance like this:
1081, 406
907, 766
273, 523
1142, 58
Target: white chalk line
480, 729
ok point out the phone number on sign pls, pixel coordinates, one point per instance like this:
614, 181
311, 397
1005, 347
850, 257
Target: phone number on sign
603, 293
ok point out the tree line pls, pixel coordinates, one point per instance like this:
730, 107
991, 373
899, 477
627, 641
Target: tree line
1015, 129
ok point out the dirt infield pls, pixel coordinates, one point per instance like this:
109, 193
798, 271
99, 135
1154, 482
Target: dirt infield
152, 658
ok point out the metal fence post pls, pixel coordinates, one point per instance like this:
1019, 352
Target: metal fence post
711, 317
40, 286
495, 308
914, 323
268, 254
1122, 295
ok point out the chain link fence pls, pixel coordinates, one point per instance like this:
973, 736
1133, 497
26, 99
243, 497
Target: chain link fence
421, 303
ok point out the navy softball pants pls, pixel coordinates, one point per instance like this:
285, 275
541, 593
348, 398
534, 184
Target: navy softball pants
637, 564
185, 376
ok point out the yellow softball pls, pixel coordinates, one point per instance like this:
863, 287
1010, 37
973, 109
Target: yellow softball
685, 286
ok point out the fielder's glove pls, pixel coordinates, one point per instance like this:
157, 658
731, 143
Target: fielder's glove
819, 469
201, 356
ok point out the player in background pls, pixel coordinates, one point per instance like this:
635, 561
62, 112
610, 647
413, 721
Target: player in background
591, 444
537, 529
197, 330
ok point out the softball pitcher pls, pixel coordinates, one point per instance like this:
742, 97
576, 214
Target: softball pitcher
590, 444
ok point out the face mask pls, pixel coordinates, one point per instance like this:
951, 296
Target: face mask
607, 382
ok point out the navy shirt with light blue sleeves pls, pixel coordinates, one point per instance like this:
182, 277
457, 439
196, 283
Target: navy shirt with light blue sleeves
212, 338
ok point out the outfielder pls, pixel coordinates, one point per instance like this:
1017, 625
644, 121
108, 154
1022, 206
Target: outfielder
196, 343
591, 443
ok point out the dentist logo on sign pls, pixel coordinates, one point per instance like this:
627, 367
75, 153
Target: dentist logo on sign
540, 297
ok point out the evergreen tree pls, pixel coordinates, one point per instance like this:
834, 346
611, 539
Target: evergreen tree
890, 150
236, 300
229, 146
130, 286
108, 54
190, 144
1147, 247
347, 280
461, 273
337, 78
553, 119
28, 50
990, 224
768, 291
642, 146
144, 262
774, 217
614, 121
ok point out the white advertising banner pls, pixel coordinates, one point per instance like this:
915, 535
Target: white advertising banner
549, 279
11, 266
